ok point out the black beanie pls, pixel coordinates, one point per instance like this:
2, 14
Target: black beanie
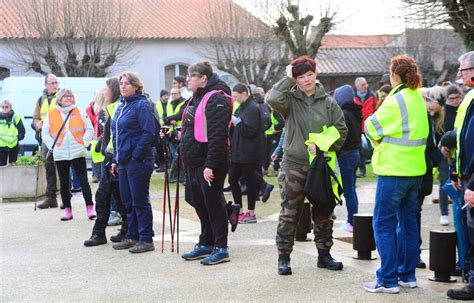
163, 92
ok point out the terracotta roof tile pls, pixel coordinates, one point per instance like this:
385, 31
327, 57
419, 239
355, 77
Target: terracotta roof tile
149, 19
357, 40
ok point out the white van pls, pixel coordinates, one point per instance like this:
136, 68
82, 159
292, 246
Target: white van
24, 92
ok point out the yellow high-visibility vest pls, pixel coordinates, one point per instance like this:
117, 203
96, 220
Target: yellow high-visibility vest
9, 133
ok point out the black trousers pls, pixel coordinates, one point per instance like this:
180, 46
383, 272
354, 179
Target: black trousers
238, 170
9, 156
108, 187
210, 205
50, 166
79, 165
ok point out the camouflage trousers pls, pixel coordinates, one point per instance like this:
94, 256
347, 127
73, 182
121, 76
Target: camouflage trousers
291, 181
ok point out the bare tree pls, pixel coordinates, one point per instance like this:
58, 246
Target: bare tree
294, 29
257, 48
459, 14
242, 45
71, 38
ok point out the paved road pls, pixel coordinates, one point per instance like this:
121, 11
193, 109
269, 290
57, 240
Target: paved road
43, 260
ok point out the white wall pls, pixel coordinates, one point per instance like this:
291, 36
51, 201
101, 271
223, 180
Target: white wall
148, 58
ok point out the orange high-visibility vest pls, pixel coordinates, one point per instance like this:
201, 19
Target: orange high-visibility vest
76, 125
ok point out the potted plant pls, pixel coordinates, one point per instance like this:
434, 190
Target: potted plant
22, 180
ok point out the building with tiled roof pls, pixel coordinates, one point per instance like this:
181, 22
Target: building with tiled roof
167, 36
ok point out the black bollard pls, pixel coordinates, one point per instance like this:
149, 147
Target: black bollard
304, 225
442, 255
363, 236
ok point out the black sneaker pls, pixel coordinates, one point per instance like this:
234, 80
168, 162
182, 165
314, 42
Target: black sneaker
233, 211
142, 247
125, 244
76, 190
420, 264
95, 240
118, 237
465, 293
284, 267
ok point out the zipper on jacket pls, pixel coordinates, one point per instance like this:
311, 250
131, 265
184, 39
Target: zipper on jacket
116, 130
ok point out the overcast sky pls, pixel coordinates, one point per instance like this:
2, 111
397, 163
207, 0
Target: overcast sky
356, 17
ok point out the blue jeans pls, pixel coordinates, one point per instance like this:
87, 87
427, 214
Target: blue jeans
348, 163
75, 179
395, 228
134, 182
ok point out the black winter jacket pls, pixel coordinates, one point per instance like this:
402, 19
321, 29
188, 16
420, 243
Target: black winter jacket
218, 112
353, 118
247, 135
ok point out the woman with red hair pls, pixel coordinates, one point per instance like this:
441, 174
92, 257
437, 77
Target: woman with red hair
398, 131
309, 112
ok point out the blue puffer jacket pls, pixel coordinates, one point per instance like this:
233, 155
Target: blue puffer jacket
133, 129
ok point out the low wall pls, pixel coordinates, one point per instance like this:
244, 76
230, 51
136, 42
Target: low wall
18, 183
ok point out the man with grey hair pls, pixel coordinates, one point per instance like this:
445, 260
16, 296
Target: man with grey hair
462, 175
44, 103
367, 99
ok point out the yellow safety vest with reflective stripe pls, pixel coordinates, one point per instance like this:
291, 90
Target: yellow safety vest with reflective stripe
9, 133
170, 112
459, 123
45, 106
111, 109
97, 157
399, 130
236, 105
161, 108
324, 140
269, 131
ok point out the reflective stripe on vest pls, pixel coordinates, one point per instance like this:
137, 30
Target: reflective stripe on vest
458, 125
405, 139
45, 106
75, 123
9, 132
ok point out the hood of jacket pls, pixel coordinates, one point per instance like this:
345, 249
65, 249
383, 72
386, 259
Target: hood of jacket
344, 96
132, 98
214, 83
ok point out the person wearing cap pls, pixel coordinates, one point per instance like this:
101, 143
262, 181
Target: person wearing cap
11, 132
162, 104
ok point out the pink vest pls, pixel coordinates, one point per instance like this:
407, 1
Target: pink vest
200, 120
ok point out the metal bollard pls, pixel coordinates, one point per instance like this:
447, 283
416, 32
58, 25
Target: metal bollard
304, 225
363, 236
442, 255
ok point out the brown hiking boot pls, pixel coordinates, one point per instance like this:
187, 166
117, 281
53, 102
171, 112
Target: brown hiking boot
48, 203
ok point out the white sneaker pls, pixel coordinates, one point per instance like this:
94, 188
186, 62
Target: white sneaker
411, 284
373, 287
347, 227
444, 220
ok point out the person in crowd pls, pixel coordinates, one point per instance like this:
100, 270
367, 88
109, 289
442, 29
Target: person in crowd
109, 185
180, 83
173, 118
68, 147
462, 173
368, 101
455, 96
384, 81
348, 156
134, 132
246, 150
383, 93
43, 105
93, 112
162, 105
435, 98
398, 130
205, 151
272, 137
12, 131
307, 110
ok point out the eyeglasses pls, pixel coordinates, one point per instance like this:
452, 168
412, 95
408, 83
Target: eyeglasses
53, 83
465, 69
189, 76
5, 106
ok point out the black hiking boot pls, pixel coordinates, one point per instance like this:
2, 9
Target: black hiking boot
326, 261
95, 240
284, 267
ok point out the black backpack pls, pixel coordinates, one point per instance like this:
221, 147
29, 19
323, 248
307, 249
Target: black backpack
265, 116
318, 185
